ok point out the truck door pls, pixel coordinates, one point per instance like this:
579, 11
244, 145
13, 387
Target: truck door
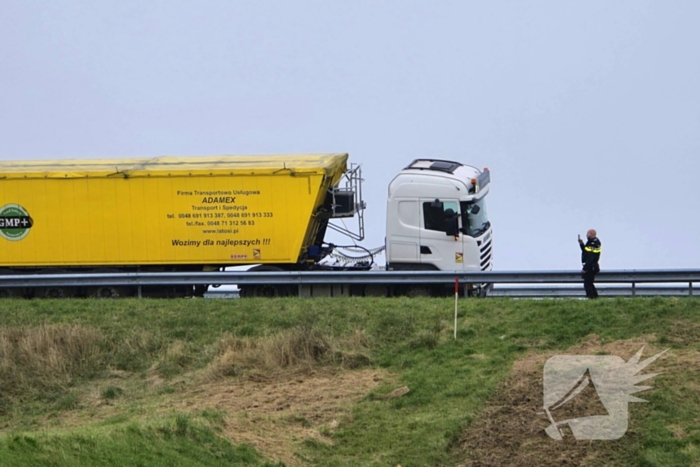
437, 248
403, 231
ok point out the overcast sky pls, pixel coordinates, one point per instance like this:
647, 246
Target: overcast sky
587, 113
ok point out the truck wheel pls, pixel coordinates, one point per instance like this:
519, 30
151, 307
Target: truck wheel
55, 292
200, 290
6, 292
261, 290
264, 290
105, 292
415, 291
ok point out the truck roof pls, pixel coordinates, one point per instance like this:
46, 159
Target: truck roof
328, 164
434, 164
439, 173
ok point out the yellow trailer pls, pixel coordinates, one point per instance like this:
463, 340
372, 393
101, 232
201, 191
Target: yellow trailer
200, 212
181, 214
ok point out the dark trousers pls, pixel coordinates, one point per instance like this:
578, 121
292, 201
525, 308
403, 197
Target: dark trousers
588, 284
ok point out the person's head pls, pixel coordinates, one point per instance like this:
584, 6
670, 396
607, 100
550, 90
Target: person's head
591, 233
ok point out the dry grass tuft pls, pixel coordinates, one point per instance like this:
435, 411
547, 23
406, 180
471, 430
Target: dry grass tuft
298, 349
47, 356
176, 358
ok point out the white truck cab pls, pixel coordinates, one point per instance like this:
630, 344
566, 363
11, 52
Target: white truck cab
437, 218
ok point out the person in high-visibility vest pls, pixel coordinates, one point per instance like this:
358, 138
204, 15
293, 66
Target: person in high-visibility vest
590, 255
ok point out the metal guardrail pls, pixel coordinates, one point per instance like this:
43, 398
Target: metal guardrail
578, 292
631, 277
543, 292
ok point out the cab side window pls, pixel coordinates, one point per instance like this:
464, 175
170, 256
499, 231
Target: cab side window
435, 217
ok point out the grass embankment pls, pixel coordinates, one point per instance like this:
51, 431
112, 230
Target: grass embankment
323, 381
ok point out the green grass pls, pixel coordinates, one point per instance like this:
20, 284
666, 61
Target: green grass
450, 381
177, 442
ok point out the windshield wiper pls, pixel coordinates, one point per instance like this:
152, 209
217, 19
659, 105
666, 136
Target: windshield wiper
480, 231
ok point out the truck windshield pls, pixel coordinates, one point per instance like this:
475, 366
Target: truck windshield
474, 223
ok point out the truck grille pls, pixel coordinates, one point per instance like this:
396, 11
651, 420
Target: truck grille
485, 251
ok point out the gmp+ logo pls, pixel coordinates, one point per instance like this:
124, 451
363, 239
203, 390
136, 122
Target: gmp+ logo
15, 222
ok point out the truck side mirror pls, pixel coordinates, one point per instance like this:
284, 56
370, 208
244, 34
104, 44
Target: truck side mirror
451, 223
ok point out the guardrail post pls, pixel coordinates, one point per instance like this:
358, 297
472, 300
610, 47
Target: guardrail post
140, 295
634, 289
299, 289
690, 289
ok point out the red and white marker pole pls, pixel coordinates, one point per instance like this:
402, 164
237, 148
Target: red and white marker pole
456, 303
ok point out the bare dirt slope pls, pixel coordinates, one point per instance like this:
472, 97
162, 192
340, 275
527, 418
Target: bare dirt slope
510, 430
